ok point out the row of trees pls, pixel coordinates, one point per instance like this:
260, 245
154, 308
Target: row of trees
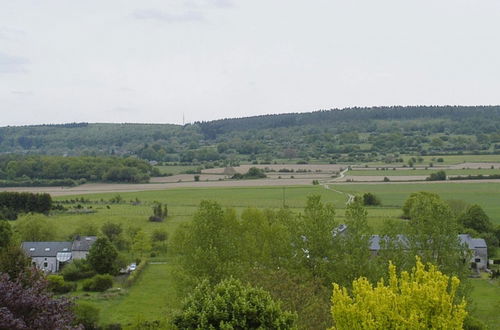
53, 169
13, 203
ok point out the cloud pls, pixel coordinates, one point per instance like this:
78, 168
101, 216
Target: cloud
22, 93
12, 64
124, 110
159, 15
8, 33
222, 3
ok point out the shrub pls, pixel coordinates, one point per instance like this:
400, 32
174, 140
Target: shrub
58, 285
98, 283
135, 274
86, 315
370, 199
231, 304
76, 270
422, 299
438, 176
386, 179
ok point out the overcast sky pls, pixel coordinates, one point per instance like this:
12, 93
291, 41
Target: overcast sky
153, 61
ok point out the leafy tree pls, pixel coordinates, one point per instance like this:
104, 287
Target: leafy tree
86, 315
475, 218
232, 305
5, 234
32, 307
13, 261
35, 228
102, 256
112, 231
160, 212
314, 238
85, 229
208, 246
141, 243
422, 299
298, 291
159, 235
432, 233
352, 257
438, 176
370, 199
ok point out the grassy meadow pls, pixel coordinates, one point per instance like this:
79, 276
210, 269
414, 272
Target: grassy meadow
486, 301
453, 172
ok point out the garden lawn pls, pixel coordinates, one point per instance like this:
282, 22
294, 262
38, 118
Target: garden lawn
486, 300
152, 297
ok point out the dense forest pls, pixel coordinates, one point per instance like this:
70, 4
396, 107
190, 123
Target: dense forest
353, 134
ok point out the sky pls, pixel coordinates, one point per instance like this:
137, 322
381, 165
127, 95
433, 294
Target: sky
157, 61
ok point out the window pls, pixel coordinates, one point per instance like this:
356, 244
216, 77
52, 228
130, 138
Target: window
45, 264
32, 249
47, 249
477, 260
65, 249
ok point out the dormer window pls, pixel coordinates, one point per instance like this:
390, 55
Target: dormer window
32, 249
65, 249
47, 249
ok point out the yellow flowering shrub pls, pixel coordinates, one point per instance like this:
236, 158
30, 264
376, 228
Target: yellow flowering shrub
422, 299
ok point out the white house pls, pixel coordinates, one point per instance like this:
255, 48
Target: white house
52, 256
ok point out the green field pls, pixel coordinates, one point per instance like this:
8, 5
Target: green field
486, 301
152, 297
486, 195
425, 172
447, 160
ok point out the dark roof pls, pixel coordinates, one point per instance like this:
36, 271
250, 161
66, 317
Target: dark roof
45, 249
83, 243
472, 243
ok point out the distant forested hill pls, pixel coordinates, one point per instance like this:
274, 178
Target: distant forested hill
330, 135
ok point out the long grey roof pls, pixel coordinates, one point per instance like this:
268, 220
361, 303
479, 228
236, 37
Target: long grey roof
45, 249
472, 243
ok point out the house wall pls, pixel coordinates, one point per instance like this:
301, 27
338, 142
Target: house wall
480, 257
52, 265
79, 254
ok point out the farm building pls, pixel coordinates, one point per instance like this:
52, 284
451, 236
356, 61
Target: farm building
477, 247
51, 256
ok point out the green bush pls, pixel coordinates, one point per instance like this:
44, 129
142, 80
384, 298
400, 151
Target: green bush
438, 176
370, 199
136, 273
76, 270
58, 285
86, 315
472, 323
98, 283
232, 305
